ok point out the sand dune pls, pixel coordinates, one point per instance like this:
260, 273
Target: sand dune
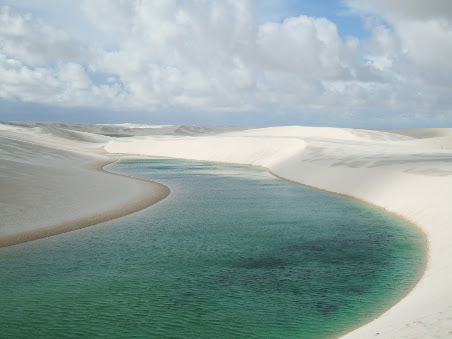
127, 129
435, 142
322, 133
71, 134
129, 125
408, 172
421, 133
47, 190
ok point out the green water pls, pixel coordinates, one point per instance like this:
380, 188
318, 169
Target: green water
233, 252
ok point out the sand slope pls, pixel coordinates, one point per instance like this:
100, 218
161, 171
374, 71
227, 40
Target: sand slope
47, 190
403, 173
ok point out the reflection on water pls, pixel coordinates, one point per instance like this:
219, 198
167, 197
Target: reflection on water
232, 252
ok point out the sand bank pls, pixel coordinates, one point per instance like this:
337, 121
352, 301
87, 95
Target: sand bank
50, 190
409, 174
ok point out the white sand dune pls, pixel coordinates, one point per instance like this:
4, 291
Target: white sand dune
435, 142
323, 133
126, 129
422, 133
397, 171
51, 182
408, 172
129, 125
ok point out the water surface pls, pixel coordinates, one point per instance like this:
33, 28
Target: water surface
233, 252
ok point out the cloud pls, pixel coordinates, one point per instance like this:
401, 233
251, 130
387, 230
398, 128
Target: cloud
34, 41
408, 9
40, 63
310, 47
411, 47
213, 57
66, 84
423, 30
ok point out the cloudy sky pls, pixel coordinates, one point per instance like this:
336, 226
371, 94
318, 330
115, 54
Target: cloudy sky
354, 63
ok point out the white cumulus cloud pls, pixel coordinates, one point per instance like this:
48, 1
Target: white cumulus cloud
217, 56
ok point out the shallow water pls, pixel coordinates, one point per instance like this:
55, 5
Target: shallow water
232, 252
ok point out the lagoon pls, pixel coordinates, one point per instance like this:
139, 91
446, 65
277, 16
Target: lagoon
232, 252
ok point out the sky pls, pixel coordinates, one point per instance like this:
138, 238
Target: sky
350, 63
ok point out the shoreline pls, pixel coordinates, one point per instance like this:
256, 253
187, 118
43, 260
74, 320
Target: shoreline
426, 248
153, 192
138, 204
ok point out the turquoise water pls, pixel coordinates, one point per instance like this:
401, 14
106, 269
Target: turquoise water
233, 252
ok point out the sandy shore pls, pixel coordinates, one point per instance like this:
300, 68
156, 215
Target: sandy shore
408, 173
50, 190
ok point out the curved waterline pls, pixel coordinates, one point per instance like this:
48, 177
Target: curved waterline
224, 255
152, 193
425, 250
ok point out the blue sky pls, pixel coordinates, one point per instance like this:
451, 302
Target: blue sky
348, 24
366, 63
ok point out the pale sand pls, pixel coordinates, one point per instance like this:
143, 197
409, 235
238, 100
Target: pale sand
409, 174
50, 190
